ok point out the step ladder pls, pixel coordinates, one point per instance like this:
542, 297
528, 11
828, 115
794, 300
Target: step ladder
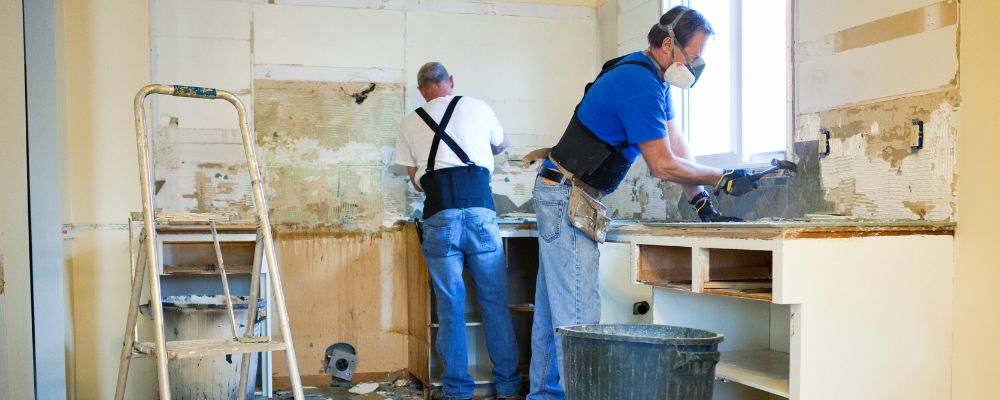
149, 260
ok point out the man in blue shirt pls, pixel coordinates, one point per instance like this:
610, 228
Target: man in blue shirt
625, 112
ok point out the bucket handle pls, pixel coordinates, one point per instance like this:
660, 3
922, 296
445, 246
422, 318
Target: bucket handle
684, 358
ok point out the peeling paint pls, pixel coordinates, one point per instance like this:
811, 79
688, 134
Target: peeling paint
871, 171
643, 197
2, 282
329, 158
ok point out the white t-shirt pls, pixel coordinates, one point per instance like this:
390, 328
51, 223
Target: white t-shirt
473, 126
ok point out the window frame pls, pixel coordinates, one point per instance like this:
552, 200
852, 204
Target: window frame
736, 157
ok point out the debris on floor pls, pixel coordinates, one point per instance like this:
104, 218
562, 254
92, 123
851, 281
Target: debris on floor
364, 388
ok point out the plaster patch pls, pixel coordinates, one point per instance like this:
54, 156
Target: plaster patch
644, 197
871, 171
808, 128
328, 158
513, 179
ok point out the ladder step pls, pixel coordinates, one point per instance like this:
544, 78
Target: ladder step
207, 347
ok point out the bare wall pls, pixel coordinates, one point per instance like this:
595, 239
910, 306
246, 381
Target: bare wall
16, 362
977, 318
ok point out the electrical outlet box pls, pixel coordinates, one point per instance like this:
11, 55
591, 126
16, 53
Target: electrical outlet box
824, 142
916, 135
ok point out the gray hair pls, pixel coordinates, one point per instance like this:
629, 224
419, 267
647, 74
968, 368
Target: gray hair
431, 73
691, 22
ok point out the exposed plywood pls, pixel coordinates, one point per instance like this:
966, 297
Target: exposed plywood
871, 171
327, 158
817, 18
532, 89
328, 36
351, 288
418, 309
929, 59
900, 25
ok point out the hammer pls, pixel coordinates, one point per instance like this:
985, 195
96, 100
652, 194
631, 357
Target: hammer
743, 186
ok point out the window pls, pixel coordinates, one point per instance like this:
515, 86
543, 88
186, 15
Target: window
739, 113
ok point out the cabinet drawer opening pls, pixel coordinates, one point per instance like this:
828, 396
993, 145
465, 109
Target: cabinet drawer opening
665, 266
196, 258
739, 273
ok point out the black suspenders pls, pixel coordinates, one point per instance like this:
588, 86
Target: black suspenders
454, 187
440, 134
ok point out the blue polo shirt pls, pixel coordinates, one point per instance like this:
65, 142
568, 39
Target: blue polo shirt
629, 103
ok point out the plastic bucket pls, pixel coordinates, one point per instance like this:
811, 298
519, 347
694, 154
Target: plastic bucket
640, 362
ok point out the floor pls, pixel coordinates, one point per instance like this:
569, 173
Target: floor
392, 387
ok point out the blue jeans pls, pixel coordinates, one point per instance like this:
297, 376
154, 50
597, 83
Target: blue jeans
566, 292
453, 239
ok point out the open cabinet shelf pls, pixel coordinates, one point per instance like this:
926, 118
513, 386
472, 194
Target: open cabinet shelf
765, 370
665, 266
738, 273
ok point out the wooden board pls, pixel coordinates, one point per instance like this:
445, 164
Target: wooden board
348, 287
738, 264
664, 265
419, 313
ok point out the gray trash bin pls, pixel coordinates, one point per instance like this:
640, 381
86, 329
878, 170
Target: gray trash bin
638, 362
205, 317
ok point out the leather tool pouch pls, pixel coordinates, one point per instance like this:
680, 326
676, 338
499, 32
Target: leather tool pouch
587, 213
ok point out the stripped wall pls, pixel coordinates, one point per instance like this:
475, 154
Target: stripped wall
850, 81
848, 57
335, 197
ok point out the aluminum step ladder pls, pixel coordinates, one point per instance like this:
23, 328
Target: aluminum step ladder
149, 260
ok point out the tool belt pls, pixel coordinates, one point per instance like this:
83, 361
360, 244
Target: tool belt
585, 210
455, 187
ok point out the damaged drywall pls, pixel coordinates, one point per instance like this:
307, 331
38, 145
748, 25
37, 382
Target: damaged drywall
640, 196
871, 171
201, 171
512, 182
328, 158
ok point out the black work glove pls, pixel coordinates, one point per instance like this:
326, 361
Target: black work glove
735, 182
706, 210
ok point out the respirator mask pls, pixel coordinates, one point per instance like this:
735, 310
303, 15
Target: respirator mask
681, 75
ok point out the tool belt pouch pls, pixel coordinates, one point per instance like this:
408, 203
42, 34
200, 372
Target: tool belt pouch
591, 160
588, 214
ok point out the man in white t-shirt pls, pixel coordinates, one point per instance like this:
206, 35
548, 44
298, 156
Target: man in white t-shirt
447, 146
